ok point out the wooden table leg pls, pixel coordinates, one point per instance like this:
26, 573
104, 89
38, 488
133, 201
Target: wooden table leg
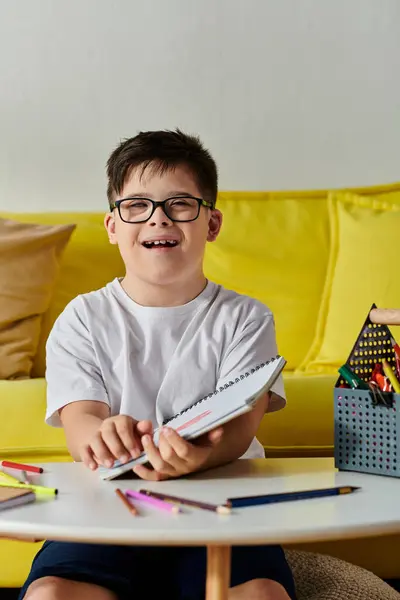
218, 572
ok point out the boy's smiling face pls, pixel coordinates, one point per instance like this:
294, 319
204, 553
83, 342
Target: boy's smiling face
180, 263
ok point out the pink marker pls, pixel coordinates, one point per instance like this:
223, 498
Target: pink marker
173, 508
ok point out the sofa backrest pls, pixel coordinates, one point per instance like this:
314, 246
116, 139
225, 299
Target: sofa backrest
273, 246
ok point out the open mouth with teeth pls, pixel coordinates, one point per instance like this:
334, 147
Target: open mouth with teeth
161, 244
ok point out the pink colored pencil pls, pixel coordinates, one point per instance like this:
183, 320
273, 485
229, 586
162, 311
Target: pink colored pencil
173, 508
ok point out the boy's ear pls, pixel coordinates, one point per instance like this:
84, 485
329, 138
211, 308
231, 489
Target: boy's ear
109, 224
214, 225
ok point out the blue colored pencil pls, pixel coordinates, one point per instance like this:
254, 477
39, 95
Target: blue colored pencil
288, 496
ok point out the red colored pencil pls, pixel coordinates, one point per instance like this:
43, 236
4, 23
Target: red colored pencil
13, 465
396, 349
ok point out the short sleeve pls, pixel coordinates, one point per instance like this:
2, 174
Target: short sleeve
253, 344
72, 371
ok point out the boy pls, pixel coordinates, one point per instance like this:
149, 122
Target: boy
123, 358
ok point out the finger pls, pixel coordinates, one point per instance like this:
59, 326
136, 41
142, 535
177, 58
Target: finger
154, 456
190, 456
87, 457
148, 474
179, 463
144, 427
172, 445
210, 439
110, 436
215, 436
101, 451
130, 439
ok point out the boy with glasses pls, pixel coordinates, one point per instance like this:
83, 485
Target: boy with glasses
122, 359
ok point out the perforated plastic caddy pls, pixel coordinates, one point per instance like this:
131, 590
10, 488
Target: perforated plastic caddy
367, 424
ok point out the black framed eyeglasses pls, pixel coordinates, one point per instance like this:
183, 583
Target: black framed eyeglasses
180, 208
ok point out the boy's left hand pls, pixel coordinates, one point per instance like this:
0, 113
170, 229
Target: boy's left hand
176, 456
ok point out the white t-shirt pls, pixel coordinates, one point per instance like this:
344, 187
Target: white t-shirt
153, 362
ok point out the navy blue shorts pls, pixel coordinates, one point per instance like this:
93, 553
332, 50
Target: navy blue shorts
167, 572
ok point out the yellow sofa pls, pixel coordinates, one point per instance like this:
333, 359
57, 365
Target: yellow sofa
274, 246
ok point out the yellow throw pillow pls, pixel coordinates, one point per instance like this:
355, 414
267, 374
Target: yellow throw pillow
363, 269
88, 263
29, 261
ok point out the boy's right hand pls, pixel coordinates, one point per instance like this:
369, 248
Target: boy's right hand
119, 438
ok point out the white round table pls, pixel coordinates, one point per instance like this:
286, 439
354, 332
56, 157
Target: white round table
88, 510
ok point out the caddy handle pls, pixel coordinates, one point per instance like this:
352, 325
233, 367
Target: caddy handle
385, 316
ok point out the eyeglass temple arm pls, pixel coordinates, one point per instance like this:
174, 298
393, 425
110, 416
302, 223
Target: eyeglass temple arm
385, 316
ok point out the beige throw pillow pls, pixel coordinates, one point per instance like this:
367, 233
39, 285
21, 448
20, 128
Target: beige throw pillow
29, 262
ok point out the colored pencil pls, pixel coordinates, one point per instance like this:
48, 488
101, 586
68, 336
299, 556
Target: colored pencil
387, 369
21, 467
288, 496
221, 509
132, 509
25, 478
153, 501
396, 349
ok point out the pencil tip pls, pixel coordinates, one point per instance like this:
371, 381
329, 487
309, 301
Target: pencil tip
348, 489
224, 510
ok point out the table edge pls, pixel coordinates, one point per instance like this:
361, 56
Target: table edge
34, 534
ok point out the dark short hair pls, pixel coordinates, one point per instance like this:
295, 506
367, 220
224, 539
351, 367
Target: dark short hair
162, 151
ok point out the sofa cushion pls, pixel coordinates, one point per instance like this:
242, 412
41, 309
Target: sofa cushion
23, 431
305, 426
275, 247
29, 263
88, 263
363, 269
16, 558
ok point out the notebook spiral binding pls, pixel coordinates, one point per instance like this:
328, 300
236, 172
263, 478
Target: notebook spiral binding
223, 387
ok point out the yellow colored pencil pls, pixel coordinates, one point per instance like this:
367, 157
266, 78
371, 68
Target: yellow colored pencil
39, 489
387, 369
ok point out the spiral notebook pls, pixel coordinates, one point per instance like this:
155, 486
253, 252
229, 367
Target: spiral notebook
220, 406
10, 497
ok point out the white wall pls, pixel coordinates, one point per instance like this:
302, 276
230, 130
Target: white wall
285, 93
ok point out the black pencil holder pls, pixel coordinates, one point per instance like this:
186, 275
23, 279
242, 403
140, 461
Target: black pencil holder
367, 424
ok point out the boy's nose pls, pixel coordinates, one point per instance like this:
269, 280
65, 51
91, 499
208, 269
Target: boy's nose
159, 218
